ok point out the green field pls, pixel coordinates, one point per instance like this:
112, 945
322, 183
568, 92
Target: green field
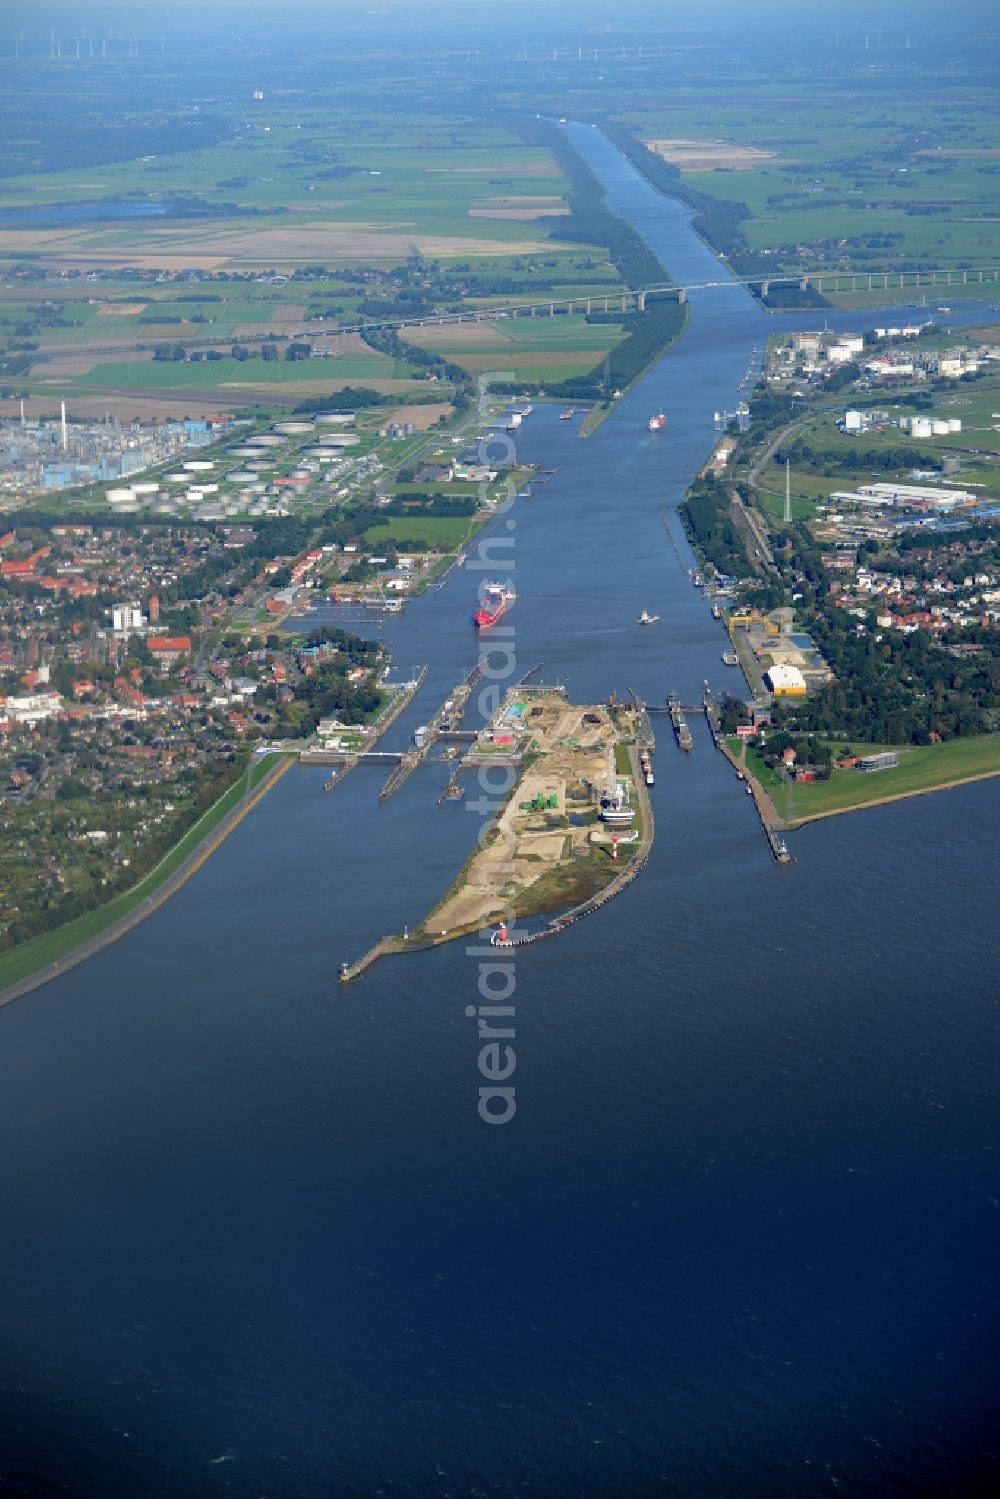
445, 530
422, 173
228, 372
922, 768
541, 348
305, 187
874, 165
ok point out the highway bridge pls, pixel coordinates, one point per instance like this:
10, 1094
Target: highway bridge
937, 281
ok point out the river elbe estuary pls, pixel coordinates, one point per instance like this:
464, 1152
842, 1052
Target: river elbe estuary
739, 1237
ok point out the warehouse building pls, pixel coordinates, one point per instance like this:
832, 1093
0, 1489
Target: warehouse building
785, 681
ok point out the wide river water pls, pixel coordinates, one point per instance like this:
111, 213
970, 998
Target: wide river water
738, 1239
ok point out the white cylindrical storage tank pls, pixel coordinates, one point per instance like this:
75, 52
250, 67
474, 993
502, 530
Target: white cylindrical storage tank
954, 424
164, 507
336, 419
905, 423
940, 429
921, 427
146, 487
199, 465
209, 488
117, 496
176, 478
240, 476
124, 506
242, 452
264, 440
257, 488
293, 429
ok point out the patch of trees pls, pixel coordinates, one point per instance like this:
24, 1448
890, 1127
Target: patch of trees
843, 376
652, 331
590, 221
885, 459
718, 220
351, 398
333, 174
387, 341
808, 751
44, 130
707, 518
794, 296
731, 712
436, 504
897, 689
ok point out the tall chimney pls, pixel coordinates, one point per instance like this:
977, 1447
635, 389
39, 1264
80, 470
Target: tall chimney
65, 439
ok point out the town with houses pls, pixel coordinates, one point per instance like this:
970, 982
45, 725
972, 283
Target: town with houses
866, 501
165, 629
158, 619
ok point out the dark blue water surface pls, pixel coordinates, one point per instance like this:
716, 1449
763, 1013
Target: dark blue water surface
738, 1238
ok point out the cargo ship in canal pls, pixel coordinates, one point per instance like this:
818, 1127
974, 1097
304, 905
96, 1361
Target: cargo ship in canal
680, 723
494, 601
657, 423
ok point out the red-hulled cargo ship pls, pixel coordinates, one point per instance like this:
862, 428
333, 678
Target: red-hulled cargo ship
494, 601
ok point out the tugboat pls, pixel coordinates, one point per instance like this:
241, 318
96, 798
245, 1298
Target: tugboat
657, 423
645, 618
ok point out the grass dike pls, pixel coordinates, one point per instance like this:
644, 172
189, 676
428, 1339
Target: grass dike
922, 769
44, 958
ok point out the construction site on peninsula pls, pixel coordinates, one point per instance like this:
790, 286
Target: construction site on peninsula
570, 821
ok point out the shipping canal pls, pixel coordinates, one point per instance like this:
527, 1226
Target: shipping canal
257, 1238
